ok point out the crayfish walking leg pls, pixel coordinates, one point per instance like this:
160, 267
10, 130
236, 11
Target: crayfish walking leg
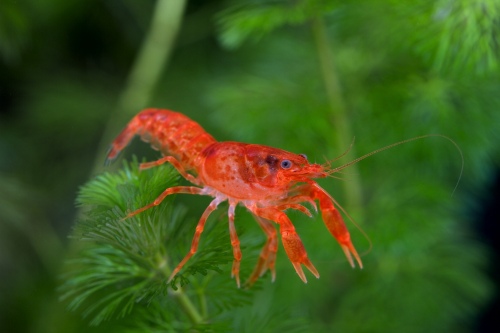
235, 271
196, 239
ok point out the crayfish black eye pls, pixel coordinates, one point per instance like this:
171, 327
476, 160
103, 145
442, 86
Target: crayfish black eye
286, 164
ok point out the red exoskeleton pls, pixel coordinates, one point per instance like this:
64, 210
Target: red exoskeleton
266, 180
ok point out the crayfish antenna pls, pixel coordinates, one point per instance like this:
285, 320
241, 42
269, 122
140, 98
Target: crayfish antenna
331, 171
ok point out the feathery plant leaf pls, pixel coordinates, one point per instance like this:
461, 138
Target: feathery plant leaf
161, 317
469, 35
258, 18
119, 263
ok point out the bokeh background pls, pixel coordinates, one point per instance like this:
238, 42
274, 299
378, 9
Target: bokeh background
306, 76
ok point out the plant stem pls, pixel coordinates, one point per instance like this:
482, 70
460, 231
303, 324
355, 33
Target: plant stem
179, 294
339, 118
152, 57
202, 300
203, 303
188, 306
146, 71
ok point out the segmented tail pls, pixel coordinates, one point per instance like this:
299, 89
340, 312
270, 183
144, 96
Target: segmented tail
170, 132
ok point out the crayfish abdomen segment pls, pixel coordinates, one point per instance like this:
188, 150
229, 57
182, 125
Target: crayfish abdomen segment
171, 132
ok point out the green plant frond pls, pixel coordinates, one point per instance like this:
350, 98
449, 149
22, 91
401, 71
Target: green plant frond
129, 185
122, 263
468, 36
223, 299
213, 252
165, 317
266, 318
104, 280
255, 20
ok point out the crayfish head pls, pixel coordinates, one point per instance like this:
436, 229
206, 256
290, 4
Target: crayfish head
295, 167
273, 167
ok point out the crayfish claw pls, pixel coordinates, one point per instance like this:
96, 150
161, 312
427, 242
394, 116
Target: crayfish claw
350, 251
309, 266
300, 272
312, 269
296, 252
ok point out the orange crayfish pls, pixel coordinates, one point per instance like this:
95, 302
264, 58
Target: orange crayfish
266, 180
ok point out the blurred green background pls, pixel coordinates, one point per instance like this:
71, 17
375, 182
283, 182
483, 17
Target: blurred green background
306, 76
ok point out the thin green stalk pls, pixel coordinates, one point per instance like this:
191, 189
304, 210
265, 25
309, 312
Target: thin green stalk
188, 306
339, 117
146, 71
179, 294
202, 299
